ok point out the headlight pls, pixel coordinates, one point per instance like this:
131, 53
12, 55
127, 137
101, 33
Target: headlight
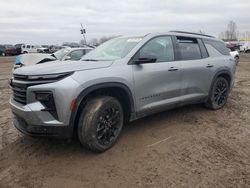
50, 76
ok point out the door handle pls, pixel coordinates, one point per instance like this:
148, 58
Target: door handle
172, 69
209, 66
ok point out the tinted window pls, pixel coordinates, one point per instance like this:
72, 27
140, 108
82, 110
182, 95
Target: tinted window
76, 55
61, 53
212, 51
160, 48
28, 46
220, 46
189, 48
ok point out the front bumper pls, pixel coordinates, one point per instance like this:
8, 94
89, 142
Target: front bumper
38, 123
48, 131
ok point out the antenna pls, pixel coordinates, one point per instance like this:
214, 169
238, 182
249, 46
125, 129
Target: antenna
83, 32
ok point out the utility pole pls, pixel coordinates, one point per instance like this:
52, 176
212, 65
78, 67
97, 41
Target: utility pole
83, 32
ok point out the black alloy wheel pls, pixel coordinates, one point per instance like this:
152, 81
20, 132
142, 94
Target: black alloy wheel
100, 123
218, 94
108, 125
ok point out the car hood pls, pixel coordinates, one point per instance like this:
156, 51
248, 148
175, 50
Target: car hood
61, 66
32, 59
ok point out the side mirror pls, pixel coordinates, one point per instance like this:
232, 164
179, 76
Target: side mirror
142, 60
67, 58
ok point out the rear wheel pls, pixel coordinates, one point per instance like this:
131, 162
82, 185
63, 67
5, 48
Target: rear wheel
3, 54
100, 123
218, 94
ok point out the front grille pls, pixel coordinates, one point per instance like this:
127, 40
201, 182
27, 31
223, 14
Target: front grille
19, 92
19, 85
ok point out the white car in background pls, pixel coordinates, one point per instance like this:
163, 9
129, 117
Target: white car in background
64, 54
235, 55
28, 48
245, 47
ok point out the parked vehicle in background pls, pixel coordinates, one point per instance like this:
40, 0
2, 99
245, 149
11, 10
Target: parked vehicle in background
43, 49
123, 79
18, 48
28, 48
64, 54
233, 45
2, 50
235, 55
9, 50
245, 47
54, 48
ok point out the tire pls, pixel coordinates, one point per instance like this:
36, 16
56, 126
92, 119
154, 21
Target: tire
218, 94
3, 54
100, 123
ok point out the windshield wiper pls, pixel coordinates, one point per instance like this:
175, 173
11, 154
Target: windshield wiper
90, 60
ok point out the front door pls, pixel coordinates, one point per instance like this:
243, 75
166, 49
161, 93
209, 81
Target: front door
157, 84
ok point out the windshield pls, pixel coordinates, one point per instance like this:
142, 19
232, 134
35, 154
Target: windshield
61, 53
113, 49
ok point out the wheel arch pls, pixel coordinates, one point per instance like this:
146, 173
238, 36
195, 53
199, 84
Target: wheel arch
115, 89
222, 73
225, 74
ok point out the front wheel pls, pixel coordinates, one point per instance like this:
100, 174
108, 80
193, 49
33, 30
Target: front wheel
100, 123
218, 94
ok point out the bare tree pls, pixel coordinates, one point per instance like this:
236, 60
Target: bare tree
231, 33
231, 30
94, 42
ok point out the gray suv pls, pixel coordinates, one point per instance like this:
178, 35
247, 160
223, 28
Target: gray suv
122, 80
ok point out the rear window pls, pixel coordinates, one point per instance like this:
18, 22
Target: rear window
218, 45
189, 48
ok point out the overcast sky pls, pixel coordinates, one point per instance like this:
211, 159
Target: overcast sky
57, 21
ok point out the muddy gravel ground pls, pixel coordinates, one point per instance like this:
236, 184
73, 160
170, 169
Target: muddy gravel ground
186, 147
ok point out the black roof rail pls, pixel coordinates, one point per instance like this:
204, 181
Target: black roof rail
184, 32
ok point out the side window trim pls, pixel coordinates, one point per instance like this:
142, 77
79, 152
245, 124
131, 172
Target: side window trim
204, 52
177, 52
131, 61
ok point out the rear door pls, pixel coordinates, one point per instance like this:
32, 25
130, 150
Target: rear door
196, 69
157, 84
